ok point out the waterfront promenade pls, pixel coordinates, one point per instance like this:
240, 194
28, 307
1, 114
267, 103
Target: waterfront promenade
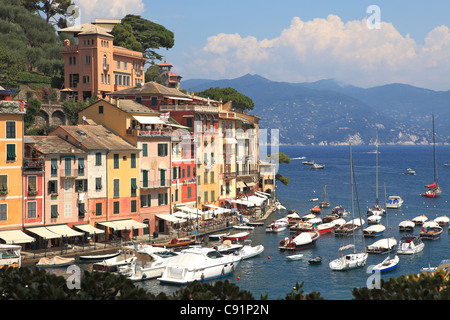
30, 257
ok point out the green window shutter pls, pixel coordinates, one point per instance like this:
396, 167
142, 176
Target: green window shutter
145, 179
133, 187
144, 150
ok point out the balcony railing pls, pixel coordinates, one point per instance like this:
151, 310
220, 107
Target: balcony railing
37, 163
152, 184
68, 173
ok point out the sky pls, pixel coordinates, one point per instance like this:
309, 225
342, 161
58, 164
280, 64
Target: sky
363, 43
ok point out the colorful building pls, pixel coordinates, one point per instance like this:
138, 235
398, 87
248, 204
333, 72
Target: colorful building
142, 128
11, 159
95, 66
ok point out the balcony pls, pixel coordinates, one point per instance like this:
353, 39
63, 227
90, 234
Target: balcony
34, 163
153, 184
68, 173
247, 173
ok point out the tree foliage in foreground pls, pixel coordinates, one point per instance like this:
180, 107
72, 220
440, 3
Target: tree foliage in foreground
37, 284
240, 101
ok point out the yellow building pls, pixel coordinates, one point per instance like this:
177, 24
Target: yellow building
11, 158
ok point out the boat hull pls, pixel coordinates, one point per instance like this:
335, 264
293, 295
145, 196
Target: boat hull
349, 261
387, 265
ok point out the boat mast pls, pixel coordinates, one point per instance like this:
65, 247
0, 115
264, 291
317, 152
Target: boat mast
353, 209
434, 155
376, 180
387, 222
357, 201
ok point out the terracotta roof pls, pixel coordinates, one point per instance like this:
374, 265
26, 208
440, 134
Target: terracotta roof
54, 145
165, 64
131, 106
97, 137
151, 88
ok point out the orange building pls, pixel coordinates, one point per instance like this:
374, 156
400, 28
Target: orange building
95, 67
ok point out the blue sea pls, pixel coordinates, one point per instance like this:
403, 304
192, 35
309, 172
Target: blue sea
273, 275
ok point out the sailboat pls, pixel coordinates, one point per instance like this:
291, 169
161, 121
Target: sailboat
376, 209
433, 189
325, 203
351, 260
389, 263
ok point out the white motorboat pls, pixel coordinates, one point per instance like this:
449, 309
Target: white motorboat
218, 236
293, 257
248, 251
99, 257
201, 264
115, 263
410, 172
443, 220
278, 225
388, 264
300, 241
227, 247
376, 210
243, 227
55, 262
150, 263
317, 166
406, 225
394, 202
10, 256
410, 244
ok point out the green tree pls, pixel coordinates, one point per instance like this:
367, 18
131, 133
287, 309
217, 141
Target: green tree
30, 39
33, 108
150, 35
124, 37
72, 108
152, 74
55, 12
239, 101
280, 157
10, 66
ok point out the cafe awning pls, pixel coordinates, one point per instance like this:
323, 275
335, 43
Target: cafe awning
148, 120
89, 229
170, 218
15, 236
127, 224
44, 233
64, 231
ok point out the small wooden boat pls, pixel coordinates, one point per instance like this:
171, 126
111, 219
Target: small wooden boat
382, 246
54, 262
374, 230
176, 242
315, 260
99, 257
294, 257
325, 227
431, 231
315, 210
255, 223
406, 225
299, 241
420, 220
443, 220
330, 217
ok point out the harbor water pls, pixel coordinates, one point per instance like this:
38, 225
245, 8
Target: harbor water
272, 274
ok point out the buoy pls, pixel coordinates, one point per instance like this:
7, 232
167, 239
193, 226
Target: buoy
268, 257
239, 278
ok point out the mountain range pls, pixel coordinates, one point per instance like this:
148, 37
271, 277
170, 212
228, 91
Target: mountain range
328, 112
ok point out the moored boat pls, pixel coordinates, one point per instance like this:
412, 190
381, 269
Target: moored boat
54, 262
176, 242
394, 202
315, 260
410, 171
443, 220
198, 264
315, 210
374, 219
299, 241
382, 246
388, 264
236, 236
431, 230
99, 257
406, 225
249, 251
293, 257
325, 227
420, 220
316, 166
10, 256
410, 244
278, 225
375, 230
218, 236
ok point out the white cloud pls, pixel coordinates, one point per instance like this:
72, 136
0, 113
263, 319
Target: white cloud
329, 48
91, 9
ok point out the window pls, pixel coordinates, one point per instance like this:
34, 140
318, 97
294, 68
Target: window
81, 166
212, 177
10, 129
184, 173
81, 185
133, 160
104, 62
133, 206
162, 149
3, 211
144, 150
3, 184
81, 210
125, 65
145, 179
32, 185
133, 187
31, 209
118, 64
100, 109
143, 201
116, 188
67, 210
213, 196
87, 60
116, 161
205, 178
54, 211
139, 99
10, 152
149, 200
162, 175
188, 171
189, 192
154, 101
98, 184
98, 209
176, 194
206, 196
189, 122
54, 167
98, 159
116, 207
53, 187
